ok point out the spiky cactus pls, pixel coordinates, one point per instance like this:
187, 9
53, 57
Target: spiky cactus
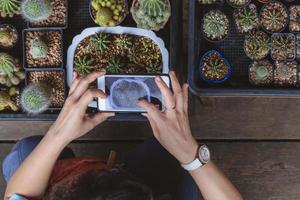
8, 36
151, 14
283, 46
100, 41
246, 19
36, 98
238, 3
261, 72
10, 73
256, 45
215, 25
6, 101
122, 44
9, 8
38, 49
274, 16
115, 66
84, 65
285, 73
36, 10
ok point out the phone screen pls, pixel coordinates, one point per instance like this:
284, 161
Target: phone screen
125, 91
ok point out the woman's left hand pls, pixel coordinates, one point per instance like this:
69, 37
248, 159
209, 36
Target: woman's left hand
73, 122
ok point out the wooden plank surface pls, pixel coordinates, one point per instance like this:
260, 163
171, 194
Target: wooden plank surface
261, 170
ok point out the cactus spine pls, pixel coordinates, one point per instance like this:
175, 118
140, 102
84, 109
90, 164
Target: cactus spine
36, 10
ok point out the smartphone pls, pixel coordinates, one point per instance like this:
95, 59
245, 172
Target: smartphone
124, 91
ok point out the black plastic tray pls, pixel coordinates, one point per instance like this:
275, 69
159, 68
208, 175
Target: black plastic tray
232, 49
79, 19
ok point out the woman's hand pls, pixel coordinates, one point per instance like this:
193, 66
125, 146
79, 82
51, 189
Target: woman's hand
73, 122
171, 128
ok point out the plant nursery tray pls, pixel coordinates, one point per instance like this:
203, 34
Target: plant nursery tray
79, 19
232, 49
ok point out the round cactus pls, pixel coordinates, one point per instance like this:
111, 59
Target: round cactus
36, 10
104, 16
9, 8
38, 49
36, 98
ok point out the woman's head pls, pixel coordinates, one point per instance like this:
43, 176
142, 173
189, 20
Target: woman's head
104, 185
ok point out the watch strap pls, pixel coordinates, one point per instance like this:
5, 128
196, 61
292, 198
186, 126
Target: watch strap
195, 164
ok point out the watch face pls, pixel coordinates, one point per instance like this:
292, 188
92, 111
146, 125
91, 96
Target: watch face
204, 154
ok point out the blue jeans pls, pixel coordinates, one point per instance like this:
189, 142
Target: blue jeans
149, 162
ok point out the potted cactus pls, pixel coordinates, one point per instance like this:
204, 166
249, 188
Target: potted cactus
283, 46
295, 18
246, 19
256, 45
215, 25
261, 73
45, 13
8, 36
10, 70
43, 48
9, 99
274, 17
108, 12
285, 73
10, 8
214, 68
151, 14
238, 3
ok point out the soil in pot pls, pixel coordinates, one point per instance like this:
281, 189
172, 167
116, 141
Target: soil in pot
8, 36
285, 73
56, 79
43, 49
117, 54
246, 19
283, 46
261, 73
256, 45
295, 18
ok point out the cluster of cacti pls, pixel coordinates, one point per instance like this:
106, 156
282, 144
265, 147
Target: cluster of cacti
39, 48
10, 70
36, 97
214, 67
8, 36
84, 65
285, 73
256, 45
115, 65
6, 101
274, 16
283, 46
109, 12
9, 8
100, 41
215, 25
151, 14
246, 19
238, 3
261, 72
295, 18
36, 10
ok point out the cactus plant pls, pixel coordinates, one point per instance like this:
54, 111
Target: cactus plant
115, 66
151, 14
246, 19
215, 25
36, 10
274, 16
285, 73
256, 45
9, 8
84, 65
10, 73
122, 44
36, 98
8, 36
283, 46
6, 101
238, 3
100, 42
38, 49
261, 72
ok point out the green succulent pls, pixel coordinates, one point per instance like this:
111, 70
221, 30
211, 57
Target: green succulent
256, 45
115, 66
36, 10
123, 42
104, 16
6, 101
215, 25
84, 65
246, 18
100, 41
9, 8
38, 49
36, 98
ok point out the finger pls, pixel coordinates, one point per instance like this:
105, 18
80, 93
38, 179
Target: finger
89, 95
166, 93
75, 83
151, 110
177, 91
185, 89
99, 118
153, 125
85, 82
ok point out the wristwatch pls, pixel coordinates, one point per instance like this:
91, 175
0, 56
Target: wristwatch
202, 157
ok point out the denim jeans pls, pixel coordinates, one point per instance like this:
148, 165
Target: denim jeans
149, 162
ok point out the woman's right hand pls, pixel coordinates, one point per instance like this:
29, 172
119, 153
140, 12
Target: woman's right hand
171, 127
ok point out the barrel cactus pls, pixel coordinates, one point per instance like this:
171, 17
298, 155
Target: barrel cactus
9, 8
10, 73
8, 36
115, 66
151, 14
84, 65
100, 42
246, 19
36, 10
283, 46
256, 45
36, 98
261, 72
38, 49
